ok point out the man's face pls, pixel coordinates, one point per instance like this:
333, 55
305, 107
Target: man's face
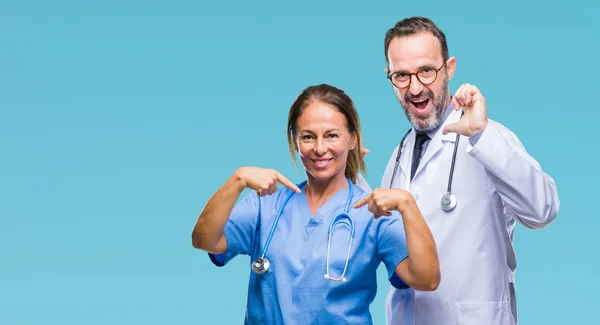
423, 104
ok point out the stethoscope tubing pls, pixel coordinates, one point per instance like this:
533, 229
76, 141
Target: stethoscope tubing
334, 221
450, 176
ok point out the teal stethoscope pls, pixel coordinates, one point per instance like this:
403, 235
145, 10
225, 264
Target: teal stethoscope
448, 201
261, 264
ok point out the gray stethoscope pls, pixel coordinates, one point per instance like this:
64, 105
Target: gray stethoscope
261, 264
448, 201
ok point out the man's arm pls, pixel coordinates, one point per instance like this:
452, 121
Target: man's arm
527, 192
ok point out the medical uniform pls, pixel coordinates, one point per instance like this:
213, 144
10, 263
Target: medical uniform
294, 290
496, 184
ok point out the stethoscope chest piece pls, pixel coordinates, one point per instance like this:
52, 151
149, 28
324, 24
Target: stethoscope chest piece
260, 265
448, 202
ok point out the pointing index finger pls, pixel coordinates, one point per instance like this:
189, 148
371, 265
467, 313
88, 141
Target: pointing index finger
283, 180
362, 202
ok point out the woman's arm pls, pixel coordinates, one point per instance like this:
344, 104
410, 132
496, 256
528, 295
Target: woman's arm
207, 234
208, 231
421, 269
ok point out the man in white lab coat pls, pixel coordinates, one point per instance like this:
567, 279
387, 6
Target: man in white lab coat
496, 183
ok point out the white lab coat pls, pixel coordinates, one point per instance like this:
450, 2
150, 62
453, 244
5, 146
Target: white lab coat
496, 183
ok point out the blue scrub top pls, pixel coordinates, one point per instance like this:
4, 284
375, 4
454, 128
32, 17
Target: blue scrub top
294, 290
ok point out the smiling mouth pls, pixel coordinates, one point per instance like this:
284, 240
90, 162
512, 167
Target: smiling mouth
420, 104
321, 163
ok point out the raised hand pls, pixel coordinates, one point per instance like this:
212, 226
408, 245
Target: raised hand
364, 151
264, 181
472, 102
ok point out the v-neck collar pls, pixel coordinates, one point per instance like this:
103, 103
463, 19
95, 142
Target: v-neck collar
335, 202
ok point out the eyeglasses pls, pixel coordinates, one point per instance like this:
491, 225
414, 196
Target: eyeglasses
426, 76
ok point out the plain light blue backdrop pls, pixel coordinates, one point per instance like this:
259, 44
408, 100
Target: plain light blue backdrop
118, 120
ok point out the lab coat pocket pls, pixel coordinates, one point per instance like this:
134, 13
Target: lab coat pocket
477, 313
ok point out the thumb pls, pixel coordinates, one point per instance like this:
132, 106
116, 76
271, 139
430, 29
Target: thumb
451, 128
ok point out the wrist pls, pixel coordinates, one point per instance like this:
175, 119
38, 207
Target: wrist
239, 178
404, 202
481, 127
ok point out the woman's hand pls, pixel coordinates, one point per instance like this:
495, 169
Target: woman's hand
263, 181
383, 200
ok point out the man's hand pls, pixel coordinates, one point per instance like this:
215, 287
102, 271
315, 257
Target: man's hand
472, 102
364, 151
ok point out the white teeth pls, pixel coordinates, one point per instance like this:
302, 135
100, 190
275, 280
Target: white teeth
419, 101
321, 162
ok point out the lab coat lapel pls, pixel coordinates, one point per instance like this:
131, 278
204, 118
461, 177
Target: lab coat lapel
406, 155
438, 141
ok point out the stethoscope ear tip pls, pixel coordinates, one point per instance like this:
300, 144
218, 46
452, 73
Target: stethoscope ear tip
326, 277
344, 280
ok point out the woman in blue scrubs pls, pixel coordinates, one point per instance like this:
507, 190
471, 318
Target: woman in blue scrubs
301, 284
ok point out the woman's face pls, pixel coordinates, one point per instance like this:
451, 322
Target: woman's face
323, 141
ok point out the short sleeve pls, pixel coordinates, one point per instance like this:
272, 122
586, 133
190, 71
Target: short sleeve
392, 247
240, 229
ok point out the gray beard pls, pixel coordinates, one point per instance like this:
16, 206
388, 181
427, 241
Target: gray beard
433, 121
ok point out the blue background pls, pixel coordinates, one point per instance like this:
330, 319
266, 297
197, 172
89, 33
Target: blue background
119, 119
